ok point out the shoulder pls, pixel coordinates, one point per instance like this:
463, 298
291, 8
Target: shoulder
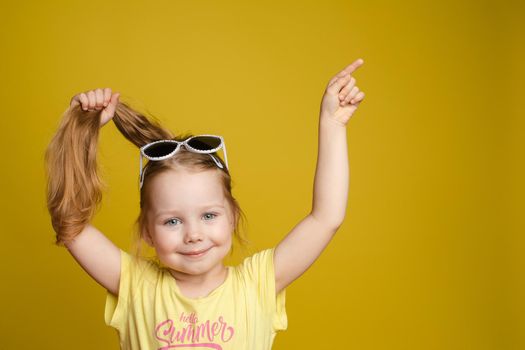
258, 266
138, 268
258, 258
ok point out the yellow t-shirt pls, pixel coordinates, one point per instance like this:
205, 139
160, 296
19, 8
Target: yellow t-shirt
150, 312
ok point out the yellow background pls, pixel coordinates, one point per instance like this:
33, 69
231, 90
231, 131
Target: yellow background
431, 254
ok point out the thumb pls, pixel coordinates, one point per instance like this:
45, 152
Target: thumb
114, 98
338, 84
112, 105
109, 111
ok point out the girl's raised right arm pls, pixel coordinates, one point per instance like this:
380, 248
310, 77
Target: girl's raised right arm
74, 190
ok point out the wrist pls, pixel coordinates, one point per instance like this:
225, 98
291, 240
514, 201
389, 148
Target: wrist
331, 121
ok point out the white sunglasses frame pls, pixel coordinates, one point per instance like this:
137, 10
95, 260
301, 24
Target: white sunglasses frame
188, 147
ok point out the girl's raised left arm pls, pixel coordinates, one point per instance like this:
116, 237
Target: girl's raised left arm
306, 241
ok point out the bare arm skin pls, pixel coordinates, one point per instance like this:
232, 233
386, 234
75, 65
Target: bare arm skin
307, 240
98, 256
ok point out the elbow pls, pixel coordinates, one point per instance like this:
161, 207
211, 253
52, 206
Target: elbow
334, 226
331, 223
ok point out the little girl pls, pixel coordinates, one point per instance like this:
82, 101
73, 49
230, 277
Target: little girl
186, 297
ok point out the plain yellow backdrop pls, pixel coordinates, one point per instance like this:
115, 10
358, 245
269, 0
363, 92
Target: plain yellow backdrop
431, 253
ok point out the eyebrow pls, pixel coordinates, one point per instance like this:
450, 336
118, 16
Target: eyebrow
166, 212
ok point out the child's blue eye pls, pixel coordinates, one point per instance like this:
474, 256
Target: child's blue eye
171, 220
207, 215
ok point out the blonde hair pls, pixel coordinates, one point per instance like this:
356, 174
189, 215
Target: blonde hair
74, 188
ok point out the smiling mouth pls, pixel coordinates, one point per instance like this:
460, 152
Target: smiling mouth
197, 254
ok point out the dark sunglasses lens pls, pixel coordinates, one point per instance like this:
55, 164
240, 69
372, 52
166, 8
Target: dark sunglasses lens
204, 143
160, 149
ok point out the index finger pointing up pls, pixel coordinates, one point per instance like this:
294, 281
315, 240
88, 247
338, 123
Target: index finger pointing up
352, 67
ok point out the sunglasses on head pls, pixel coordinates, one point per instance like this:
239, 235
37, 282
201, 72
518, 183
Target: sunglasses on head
164, 149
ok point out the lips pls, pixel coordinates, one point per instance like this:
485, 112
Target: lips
196, 252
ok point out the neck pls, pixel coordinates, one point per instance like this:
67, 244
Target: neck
214, 277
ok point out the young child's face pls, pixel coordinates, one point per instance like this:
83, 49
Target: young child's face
188, 212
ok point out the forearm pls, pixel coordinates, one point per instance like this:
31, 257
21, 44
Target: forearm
332, 174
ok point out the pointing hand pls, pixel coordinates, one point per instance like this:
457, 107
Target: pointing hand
342, 96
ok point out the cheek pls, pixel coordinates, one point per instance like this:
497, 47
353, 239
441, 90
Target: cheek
167, 240
223, 234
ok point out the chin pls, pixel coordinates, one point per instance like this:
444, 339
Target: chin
198, 268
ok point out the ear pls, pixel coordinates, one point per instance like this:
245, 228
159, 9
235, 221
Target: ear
147, 237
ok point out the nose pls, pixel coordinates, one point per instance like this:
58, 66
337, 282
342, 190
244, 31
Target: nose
192, 233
